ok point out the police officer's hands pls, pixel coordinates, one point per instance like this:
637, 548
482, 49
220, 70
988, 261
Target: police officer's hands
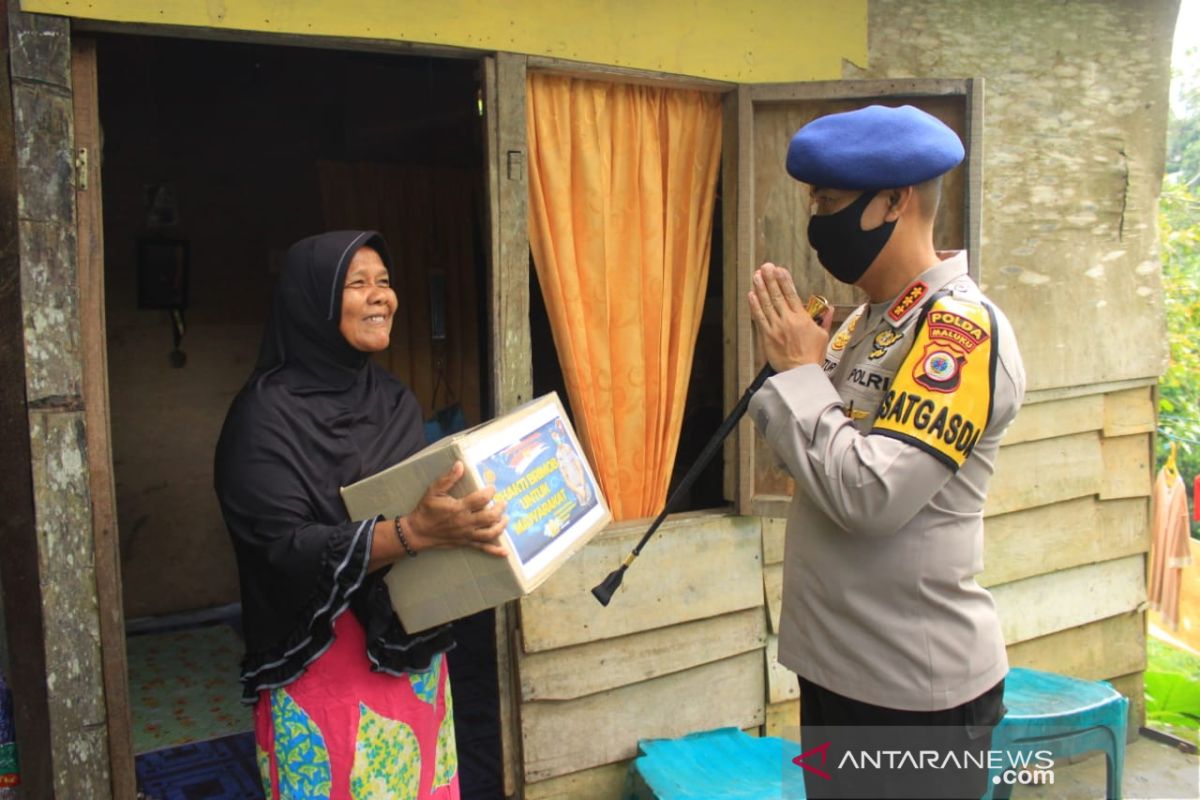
440, 520
788, 335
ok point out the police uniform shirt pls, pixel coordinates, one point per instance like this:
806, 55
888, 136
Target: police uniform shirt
892, 442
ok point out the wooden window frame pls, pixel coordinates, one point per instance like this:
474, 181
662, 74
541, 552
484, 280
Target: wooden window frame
740, 229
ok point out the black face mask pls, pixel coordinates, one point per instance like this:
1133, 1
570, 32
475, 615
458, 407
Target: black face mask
843, 247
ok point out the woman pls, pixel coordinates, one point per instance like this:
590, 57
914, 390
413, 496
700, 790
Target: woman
347, 705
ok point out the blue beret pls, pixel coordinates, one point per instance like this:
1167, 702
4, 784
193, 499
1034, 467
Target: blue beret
877, 147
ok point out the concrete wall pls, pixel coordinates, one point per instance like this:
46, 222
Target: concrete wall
1075, 109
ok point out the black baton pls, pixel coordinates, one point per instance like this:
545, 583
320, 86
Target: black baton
603, 592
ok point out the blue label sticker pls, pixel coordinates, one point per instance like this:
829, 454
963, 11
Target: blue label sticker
544, 483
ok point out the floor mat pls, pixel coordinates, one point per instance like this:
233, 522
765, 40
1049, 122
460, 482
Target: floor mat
219, 769
183, 687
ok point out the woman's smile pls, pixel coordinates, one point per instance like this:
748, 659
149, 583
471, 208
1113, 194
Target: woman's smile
368, 303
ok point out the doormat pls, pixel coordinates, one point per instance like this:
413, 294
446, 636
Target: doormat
219, 769
183, 687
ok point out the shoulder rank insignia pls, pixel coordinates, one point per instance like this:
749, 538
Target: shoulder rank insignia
908, 301
941, 397
884, 340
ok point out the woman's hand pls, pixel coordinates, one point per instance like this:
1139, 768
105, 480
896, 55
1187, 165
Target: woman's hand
440, 520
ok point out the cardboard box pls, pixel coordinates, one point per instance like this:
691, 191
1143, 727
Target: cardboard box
554, 506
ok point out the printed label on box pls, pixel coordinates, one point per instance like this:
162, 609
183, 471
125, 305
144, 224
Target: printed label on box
544, 484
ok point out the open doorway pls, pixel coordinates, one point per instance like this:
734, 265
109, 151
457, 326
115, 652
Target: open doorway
216, 157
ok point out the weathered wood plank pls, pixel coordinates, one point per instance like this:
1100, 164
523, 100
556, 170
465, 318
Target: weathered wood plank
49, 290
90, 268
79, 735
699, 565
626, 75
45, 157
561, 737
611, 663
26, 655
773, 594
741, 247
1112, 646
1046, 539
597, 782
508, 291
1056, 418
1048, 471
783, 720
973, 176
864, 89
1060, 600
774, 532
731, 302
507, 693
508, 217
1127, 523
1127, 466
782, 683
41, 49
1129, 411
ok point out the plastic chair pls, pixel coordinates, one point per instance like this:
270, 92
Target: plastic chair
1062, 716
723, 763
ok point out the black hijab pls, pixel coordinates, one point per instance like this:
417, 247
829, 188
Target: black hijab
316, 415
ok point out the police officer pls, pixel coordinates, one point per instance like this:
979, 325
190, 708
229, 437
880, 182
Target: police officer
890, 429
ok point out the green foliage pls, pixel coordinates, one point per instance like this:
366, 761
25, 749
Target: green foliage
1183, 130
1173, 690
1179, 388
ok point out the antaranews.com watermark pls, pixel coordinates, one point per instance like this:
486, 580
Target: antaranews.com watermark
910, 763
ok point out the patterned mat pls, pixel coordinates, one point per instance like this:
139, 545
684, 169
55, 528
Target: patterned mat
184, 688
219, 769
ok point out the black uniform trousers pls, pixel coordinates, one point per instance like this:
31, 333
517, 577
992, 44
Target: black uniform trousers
877, 752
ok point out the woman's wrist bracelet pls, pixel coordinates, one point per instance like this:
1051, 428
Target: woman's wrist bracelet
404, 541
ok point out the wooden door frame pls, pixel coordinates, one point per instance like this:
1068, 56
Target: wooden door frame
511, 382
737, 179
89, 222
19, 568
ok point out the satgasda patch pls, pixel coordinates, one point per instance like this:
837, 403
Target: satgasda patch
941, 397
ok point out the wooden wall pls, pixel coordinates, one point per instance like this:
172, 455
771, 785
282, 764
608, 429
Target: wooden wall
679, 649
1066, 531
690, 640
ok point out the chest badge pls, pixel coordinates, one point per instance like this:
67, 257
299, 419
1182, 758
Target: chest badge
843, 336
882, 342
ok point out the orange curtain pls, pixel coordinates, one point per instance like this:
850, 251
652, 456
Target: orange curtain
622, 185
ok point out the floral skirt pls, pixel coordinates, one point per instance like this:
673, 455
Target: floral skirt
343, 732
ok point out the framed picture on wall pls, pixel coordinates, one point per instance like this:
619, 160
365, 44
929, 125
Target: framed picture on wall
162, 273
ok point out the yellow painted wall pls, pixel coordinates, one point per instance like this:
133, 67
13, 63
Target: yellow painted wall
735, 40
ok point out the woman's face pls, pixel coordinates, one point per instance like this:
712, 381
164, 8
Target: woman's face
368, 303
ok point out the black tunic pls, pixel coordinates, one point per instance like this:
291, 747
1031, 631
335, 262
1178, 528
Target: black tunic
315, 415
